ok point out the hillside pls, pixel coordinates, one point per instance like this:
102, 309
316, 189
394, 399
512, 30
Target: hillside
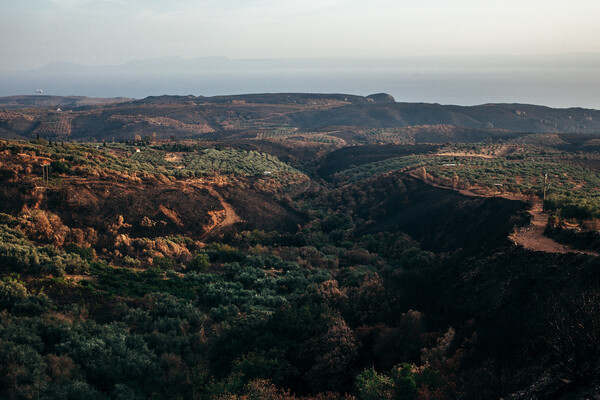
507, 117
337, 117
234, 248
46, 101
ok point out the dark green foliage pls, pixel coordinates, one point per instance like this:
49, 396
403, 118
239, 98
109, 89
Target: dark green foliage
334, 222
304, 345
374, 386
199, 263
21, 370
223, 253
74, 390
163, 263
15, 298
126, 282
82, 359
573, 207
109, 354
402, 383
19, 254
59, 167
268, 364
87, 253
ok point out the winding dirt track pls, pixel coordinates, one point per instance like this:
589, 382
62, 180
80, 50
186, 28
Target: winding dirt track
530, 237
230, 216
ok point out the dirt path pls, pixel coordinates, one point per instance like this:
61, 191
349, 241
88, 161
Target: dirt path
530, 237
223, 218
230, 216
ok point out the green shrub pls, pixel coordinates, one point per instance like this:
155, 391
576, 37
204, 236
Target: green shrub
374, 386
163, 263
87, 253
200, 262
59, 167
15, 298
223, 253
131, 262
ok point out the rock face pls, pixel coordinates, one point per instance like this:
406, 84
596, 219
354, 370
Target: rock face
381, 98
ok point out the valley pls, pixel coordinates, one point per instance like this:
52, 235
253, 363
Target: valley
298, 246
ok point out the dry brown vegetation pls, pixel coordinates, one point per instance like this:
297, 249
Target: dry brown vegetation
133, 212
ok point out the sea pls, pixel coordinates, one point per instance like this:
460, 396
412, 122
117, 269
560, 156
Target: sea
554, 87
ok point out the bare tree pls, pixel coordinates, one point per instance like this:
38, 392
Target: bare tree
573, 335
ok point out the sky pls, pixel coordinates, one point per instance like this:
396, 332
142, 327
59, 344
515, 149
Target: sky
106, 32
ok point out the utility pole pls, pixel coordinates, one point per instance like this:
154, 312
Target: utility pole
544, 198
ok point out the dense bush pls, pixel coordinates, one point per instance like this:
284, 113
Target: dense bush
19, 254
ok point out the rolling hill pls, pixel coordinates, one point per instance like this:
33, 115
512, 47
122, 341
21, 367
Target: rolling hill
189, 116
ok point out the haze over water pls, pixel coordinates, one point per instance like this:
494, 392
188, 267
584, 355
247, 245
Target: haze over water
554, 87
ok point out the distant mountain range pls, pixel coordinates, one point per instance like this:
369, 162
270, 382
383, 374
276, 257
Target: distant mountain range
179, 64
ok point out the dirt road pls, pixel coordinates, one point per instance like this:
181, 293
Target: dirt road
222, 218
530, 237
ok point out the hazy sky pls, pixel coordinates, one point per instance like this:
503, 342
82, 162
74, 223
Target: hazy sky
96, 32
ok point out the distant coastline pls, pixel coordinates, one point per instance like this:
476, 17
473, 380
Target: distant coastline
553, 87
